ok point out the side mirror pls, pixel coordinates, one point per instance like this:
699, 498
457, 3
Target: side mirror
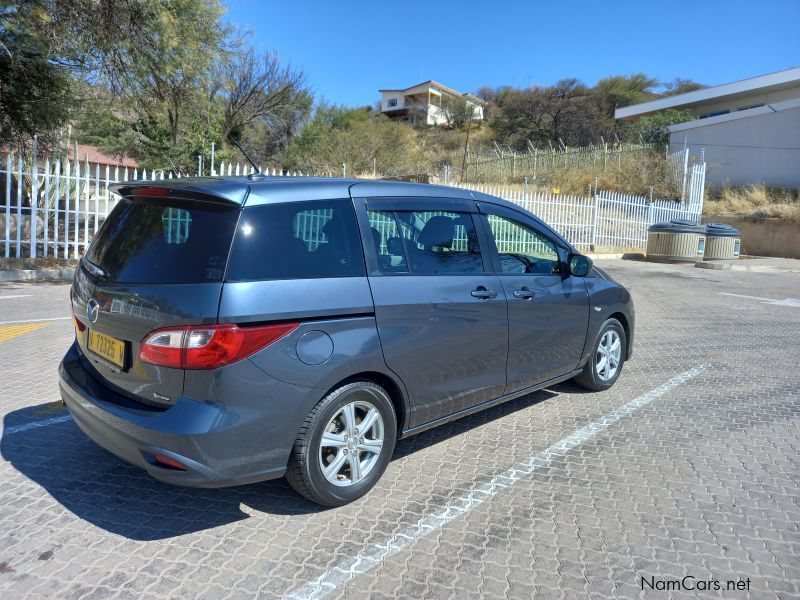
580, 265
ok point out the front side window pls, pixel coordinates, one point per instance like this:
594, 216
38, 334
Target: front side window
392, 102
425, 242
523, 249
298, 240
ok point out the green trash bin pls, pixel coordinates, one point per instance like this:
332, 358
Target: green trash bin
723, 242
679, 240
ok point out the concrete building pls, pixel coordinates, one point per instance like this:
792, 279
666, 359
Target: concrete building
749, 130
427, 103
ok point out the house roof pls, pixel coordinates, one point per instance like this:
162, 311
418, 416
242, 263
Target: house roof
429, 82
771, 82
96, 156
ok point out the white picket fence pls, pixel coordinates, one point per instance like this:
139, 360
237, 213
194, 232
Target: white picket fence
688, 174
605, 219
55, 213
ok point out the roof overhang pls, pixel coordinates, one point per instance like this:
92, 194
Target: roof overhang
772, 82
423, 87
735, 116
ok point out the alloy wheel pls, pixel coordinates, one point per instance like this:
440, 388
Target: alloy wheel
608, 356
351, 443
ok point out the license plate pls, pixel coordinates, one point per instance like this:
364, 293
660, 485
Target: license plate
110, 348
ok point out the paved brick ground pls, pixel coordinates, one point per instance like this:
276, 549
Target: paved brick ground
703, 481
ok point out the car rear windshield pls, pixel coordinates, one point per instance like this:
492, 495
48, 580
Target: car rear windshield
147, 241
297, 240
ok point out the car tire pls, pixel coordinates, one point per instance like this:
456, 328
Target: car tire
605, 362
330, 449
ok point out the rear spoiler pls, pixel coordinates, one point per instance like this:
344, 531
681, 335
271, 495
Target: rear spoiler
210, 189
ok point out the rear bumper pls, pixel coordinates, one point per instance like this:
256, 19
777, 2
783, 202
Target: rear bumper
220, 445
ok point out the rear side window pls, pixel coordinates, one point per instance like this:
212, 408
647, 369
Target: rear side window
425, 242
144, 241
297, 240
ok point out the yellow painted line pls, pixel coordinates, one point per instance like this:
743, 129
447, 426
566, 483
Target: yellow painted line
9, 332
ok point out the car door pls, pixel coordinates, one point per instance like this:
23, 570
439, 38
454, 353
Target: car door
548, 309
440, 310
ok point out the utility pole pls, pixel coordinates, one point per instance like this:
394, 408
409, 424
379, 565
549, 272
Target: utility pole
466, 149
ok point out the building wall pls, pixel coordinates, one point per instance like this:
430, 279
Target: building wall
771, 237
391, 95
761, 148
735, 104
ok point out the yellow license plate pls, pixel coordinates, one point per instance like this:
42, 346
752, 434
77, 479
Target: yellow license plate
110, 348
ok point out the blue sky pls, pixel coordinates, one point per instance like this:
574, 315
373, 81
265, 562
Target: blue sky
350, 49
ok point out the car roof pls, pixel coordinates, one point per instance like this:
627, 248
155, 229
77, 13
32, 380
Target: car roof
254, 190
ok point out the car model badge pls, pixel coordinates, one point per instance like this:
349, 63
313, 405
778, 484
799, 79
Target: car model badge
93, 310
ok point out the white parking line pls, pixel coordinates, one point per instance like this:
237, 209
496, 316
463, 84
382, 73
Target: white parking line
16, 296
34, 425
373, 556
35, 320
793, 302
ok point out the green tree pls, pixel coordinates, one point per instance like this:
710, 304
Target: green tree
360, 139
652, 129
160, 69
458, 111
101, 121
680, 85
616, 91
35, 97
546, 115
46, 47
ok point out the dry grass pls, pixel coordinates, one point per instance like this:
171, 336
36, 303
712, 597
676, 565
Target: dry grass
754, 202
631, 174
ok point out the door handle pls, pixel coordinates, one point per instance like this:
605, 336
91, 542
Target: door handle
482, 292
524, 293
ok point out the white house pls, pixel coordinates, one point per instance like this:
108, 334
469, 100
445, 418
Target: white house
427, 103
749, 130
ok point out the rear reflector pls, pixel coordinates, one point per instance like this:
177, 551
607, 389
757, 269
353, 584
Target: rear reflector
78, 325
166, 461
208, 346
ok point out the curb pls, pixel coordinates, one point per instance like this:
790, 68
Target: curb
616, 256
36, 275
732, 266
763, 269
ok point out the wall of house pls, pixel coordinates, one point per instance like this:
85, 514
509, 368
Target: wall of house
391, 95
735, 104
760, 148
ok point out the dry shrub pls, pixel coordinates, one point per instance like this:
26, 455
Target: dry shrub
632, 174
755, 202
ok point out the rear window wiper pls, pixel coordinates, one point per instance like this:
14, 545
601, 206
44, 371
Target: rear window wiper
94, 270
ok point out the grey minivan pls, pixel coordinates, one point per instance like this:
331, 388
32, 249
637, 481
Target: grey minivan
233, 330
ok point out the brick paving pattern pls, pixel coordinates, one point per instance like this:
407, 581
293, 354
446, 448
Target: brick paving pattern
703, 481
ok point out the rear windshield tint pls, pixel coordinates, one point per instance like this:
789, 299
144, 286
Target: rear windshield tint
145, 241
297, 240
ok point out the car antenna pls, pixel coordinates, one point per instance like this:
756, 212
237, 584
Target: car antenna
233, 139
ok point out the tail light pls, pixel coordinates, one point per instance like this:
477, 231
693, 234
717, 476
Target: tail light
208, 346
